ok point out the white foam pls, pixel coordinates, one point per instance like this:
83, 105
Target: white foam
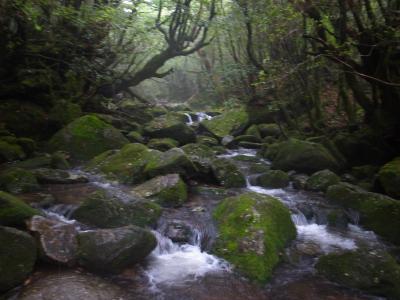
326, 240
173, 264
190, 120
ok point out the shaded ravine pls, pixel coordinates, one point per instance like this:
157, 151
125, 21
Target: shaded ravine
190, 271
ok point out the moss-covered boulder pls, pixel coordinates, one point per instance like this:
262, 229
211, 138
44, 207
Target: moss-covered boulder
169, 162
254, 131
274, 179
321, 180
120, 248
271, 129
253, 230
169, 126
377, 212
389, 178
228, 123
104, 211
13, 211
164, 144
16, 181
227, 173
55, 176
64, 112
10, 151
201, 156
17, 257
87, 137
372, 271
301, 156
125, 165
135, 137
207, 140
168, 190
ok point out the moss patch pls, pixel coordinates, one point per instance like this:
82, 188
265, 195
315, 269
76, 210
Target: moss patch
253, 229
227, 173
229, 123
389, 178
16, 181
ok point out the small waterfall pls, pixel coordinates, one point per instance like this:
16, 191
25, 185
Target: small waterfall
190, 120
299, 219
174, 264
203, 116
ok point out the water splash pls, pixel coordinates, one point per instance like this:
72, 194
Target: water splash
190, 120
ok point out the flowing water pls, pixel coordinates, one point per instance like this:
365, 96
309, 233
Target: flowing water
189, 270
197, 118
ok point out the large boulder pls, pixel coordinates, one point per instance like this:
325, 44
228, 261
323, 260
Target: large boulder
13, 211
253, 230
120, 248
16, 181
71, 285
56, 176
17, 257
201, 156
163, 144
87, 137
227, 173
377, 212
169, 126
228, 123
105, 211
321, 180
274, 179
57, 240
301, 156
171, 161
168, 190
373, 271
389, 178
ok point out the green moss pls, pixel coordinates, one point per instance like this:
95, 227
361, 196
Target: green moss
253, 130
274, 179
17, 257
87, 137
253, 229
269, 130
135, 137
207, 140
104, 211
28, 145
389, 178
16, 181
377, 212
169, 190
201, 156
13, 211
227, 173
64, 112
228, 123
10, 152
372, 271
301, 156
164, 144
125, 165
321, 180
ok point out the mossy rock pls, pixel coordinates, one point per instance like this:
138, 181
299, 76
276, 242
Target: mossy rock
263, 114
320, 181
164, 144
169, 190
249, 145
59, 160
28, 145
64, 112
17, 257
227, 173
125, 165
301, 156
104, 211
274, 179
13, 211
377, 212
169, 162
207, 140
10, 152
120, 248
253, 229
389, 178
228, 123
16, 181
245, 138
373, 271
201, 156
87, 137
269, 130
254, 131
135, 137
41, 161
169, 126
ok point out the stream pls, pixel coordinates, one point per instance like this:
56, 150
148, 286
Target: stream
191, 271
